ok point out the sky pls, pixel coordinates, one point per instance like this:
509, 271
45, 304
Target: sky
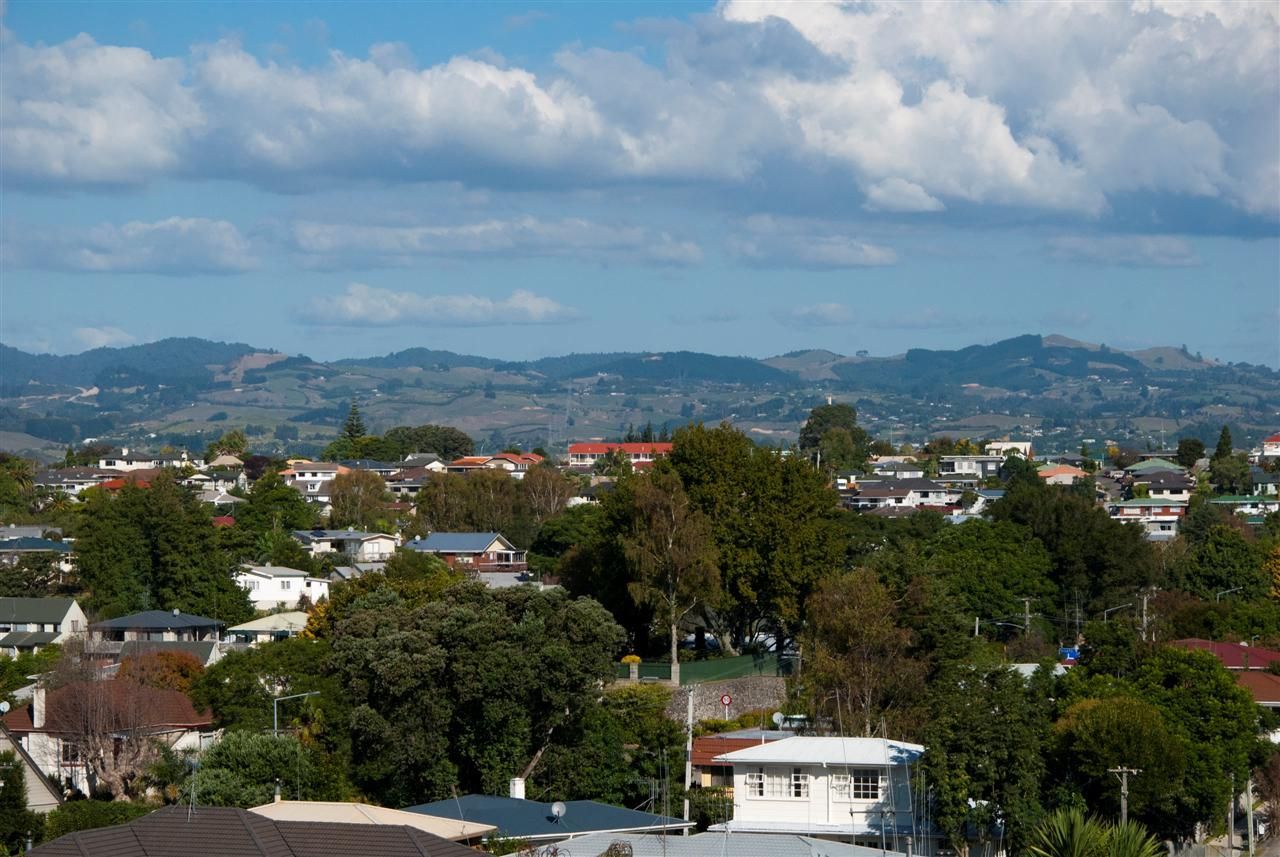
520, 180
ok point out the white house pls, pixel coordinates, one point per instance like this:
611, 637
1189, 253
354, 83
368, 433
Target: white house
56, 728
969, 468
357, 546
73, 480
1004, 447
1271, 446
274, 586
904, 493
313, 479
1160, 518
126, 460
859, 788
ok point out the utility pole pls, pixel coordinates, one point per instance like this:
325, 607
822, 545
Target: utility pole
1026, 616
1145, 596
1123, 774
1248, 808
688, 751
1231, 817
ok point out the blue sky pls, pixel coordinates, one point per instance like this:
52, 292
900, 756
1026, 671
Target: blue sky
748, 177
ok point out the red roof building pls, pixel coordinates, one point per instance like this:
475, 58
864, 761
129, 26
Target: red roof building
1234, 656
640, 455
709, 773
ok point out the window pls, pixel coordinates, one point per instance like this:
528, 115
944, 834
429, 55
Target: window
792, 784
755, 784
799, 784
286, 584
70, 755
858, 785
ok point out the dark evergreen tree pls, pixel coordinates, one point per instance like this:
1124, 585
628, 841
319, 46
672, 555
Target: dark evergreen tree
353, 428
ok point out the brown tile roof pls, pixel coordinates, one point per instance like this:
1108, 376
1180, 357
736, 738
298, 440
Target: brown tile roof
1234, 656
129, 702
707, 747
173, 832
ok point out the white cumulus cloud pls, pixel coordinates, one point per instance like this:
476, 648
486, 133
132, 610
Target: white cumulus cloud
1136, 251
176, 246
365, 306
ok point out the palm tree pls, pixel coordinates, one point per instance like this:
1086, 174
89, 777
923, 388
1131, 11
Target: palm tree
1068, 832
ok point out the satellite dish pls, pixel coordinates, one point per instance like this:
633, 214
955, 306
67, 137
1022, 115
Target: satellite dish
778, 717
558, 809
4, 708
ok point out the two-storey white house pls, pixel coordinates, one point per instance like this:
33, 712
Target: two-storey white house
836, 788
274, 586
357, 546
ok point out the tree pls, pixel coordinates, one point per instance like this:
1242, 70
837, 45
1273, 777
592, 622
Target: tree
670, 553
88, 814
244, 767
822, 419
1223, 559
546, 492
983, 761
231, 443
358, 499
16, 821
1190, 450
1271, 571
470, 690
163, 670
614, 463
1225, 448
1231, 474
1096, 735
860, 658
273, 503
991, 568
446, 441
353, 428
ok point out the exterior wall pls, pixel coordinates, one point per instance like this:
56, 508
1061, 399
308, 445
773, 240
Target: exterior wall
270, 591
814, 794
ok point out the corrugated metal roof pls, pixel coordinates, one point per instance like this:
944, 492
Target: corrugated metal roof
531, 819
716, 845
458, 542
347, 812
831, 751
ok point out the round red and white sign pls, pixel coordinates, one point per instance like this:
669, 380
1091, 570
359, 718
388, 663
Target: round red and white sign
726, 699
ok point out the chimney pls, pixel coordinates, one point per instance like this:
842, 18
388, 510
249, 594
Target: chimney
37, 707
517, 788
276, 799
124, 452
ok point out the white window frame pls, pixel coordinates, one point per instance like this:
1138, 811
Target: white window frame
858, 785
754, 783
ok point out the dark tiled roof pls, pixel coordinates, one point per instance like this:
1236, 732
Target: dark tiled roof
156, 620
533, 820
174, 832
27, 639
201, 649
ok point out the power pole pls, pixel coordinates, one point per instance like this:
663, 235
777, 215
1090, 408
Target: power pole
1248, 808
1145, 596
1026, 616
1123, 774
1231, 817
688, 752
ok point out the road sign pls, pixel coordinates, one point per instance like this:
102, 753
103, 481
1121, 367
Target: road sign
726, 700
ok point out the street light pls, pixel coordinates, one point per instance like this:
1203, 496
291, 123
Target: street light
275, 708
1218, 597
1111, 610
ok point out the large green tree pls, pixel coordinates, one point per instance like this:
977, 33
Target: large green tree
991, 568
469, 690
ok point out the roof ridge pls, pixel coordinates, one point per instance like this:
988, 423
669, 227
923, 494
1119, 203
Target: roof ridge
243, 815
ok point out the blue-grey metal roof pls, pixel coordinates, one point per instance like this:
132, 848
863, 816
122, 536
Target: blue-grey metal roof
531, 819
329, 535
718, 845
455, 542
30, 544
157, 620
45, 611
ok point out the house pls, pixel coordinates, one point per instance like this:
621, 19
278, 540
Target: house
1271, 446
641, 455
472, 551
428, 460
156, 625
343, 812
1234, 656
406, 484
274, 586
1264, 484
51, 726
1160, 518
534, 821
126, 461
313, 479
969, 469
42, 795
357, 546
1004, 448
382, 468
467, 464
1264, 687
898, 469
30, 624
906, 493
73, 480
710, 844
176, 831
277, 626
225, 461
1174, 486
1239, 504
1152, 465
13, 550
28, 531
207, 652
708, 771
857, 788
1061, 474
